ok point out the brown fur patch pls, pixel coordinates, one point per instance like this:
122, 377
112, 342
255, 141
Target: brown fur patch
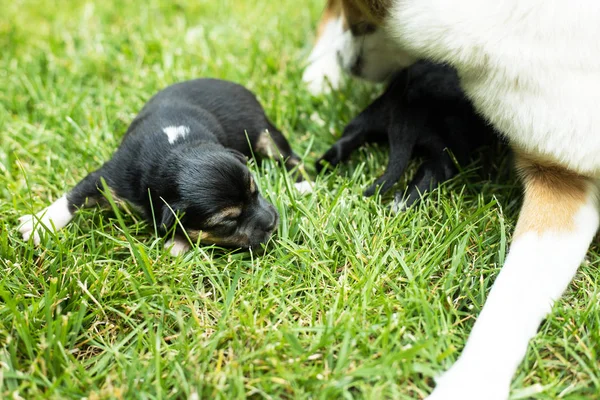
208, 238
333, 11
364, 11
204, 237
553, 195
353, 12
232, 212
266, 147
229, 212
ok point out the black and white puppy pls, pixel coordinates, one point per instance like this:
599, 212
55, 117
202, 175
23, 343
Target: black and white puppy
182, 163
422, 113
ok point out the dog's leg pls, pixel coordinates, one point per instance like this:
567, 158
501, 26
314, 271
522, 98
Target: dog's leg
353, 137
403, 133
370, 126
323, 70
55, 217
272, 144
558, 220
429, 175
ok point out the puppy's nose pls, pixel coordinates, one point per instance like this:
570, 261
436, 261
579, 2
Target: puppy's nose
267, 219
271, 227
267, 216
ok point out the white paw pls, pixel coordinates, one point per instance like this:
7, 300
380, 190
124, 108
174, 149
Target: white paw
399, 205
462, 385
27, 228
177, 246
53, 218
304, 187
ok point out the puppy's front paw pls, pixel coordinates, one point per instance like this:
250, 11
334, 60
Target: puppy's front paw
27, 228
177, 246
383, 183
330, 159
52, 218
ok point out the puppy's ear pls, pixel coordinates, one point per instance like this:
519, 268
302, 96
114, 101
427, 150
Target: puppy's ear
243, 159
169, 216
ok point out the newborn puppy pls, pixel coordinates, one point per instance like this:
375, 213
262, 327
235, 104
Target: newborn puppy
422, 113
182, 163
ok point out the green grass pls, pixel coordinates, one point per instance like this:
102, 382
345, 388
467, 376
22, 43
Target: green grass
349, 301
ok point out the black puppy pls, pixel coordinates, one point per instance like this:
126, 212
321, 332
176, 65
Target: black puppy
182, 162
422, 113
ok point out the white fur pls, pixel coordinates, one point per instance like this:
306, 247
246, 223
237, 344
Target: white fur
323, 70
532, 67
177, 246
399, 204
175, 132
53, 218
536, 272
378, 56
303, 187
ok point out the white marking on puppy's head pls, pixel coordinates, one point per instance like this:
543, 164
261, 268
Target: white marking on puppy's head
175, 132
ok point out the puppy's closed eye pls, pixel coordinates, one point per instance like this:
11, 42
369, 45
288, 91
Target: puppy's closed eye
225, 216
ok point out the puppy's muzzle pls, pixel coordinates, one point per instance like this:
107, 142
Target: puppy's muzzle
263, 223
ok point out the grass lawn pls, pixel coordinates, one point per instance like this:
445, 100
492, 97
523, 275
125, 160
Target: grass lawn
348, 302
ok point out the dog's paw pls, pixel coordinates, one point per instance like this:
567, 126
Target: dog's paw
467, 391
457, 384
330, 159
304, 187
383, 184
53, 218
27, 228
177, 246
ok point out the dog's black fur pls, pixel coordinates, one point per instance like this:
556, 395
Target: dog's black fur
422, 113
202, 176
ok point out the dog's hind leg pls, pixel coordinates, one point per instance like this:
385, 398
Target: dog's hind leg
558, 220
55, 217
272, 144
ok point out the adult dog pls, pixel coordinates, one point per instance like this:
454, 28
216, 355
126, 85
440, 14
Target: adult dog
532, 69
